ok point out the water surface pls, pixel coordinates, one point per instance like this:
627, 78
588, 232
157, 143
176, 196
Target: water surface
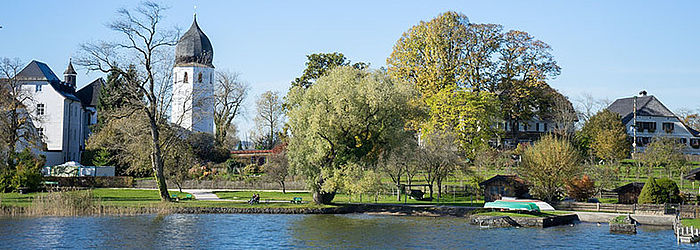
216, 231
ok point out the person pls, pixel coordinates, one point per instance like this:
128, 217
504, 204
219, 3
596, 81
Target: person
257, 198
254, 199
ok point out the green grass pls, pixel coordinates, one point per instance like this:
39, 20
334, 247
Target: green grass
146, 198
608, 200
344, 198
533, 215
691, 222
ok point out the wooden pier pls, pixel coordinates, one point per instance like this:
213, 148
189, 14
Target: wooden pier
686, 234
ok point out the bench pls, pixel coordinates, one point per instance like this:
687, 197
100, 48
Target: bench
296, 200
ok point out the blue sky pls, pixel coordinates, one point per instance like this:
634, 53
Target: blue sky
608, 49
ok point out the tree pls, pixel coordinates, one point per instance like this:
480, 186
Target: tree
690, 118
318, 64
581, 189
399, 161
347, 116
230, 94
277, 167
451, 61
604, 136
206, 149
659, 191
587, 106
16, 117
439, 158
269, 119
548, 164
143, 38
666, 153
112, 102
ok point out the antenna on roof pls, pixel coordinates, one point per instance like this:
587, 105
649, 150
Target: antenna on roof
195, 9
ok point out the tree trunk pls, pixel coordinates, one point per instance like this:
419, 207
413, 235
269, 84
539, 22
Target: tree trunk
323, 197
284, 190
431, 190
157, 162
439, 195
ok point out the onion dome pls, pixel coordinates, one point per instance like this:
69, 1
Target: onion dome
194, 48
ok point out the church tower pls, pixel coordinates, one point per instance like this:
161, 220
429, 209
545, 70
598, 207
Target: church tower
193, 82
69, 75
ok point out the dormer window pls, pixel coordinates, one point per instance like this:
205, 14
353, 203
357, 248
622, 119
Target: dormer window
695, 143
38, 87
668, 127
185, 79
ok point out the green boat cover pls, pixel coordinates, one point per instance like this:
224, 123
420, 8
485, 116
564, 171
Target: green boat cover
514, 206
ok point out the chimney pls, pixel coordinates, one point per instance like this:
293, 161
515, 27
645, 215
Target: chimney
642, 93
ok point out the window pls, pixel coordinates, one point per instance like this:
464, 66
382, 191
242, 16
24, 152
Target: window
40, 131
684, 140
643, 141
648, 126
199, 77
40, 109
38, 87
537, 127
695, 143
668, 127
545, 127
185, 78
175, 77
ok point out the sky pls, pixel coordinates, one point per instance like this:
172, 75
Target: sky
608, 49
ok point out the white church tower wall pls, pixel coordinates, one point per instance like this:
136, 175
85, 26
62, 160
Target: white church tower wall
193, 82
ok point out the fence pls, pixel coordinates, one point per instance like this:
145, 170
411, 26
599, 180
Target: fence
219, 184
685, 211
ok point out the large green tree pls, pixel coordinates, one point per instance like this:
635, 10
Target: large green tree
347, 117
448, 56
319, 63
603, 136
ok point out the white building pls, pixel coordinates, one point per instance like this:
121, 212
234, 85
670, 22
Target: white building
654, 120
193, 81
63, 115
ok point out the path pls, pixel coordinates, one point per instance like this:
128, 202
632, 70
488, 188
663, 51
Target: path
208, 194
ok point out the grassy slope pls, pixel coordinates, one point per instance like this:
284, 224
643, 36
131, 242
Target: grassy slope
691, 222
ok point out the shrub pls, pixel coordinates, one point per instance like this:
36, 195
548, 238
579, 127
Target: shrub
659, 191
233, 166
252, 169
581, 189
6, 181
548, 164
669, 192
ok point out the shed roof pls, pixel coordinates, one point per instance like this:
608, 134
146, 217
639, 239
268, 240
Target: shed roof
507, 178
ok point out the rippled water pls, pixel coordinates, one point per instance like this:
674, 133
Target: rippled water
215, 231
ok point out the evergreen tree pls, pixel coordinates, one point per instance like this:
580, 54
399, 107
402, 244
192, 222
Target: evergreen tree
650, 192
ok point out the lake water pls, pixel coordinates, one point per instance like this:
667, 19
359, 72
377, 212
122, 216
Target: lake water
216, 231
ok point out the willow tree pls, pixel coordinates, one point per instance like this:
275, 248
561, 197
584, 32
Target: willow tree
347, 117
548, 165
146, 45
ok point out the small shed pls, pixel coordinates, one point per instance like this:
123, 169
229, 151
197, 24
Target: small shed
505, 186
628, 194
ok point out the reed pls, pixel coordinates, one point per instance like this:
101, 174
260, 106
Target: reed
65, 203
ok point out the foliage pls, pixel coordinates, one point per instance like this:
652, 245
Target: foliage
234, 166
548, 164
347, 116
604, 136
439, 158
651, 193
581, 188
206, 149
112, 102
606, 177
664, 152
491, 159
24, 172
471, 74
252, 169
318, 64
277, 168
669, 192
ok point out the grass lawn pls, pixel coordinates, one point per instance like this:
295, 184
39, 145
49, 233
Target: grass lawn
513, 214
344, 198
691, 222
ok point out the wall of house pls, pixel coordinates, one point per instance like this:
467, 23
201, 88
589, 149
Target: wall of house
52, 120
193, 104
679, 132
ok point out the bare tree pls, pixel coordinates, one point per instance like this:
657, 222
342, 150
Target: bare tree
277, 168
587, 106
145, 44
16, 112
230, 93
439, 158
269, 118
397, 162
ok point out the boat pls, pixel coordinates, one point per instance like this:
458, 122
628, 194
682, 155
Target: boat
512, 206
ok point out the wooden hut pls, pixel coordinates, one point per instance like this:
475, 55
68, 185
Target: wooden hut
505, 185
628, 194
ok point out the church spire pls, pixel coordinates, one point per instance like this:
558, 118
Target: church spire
69, 75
